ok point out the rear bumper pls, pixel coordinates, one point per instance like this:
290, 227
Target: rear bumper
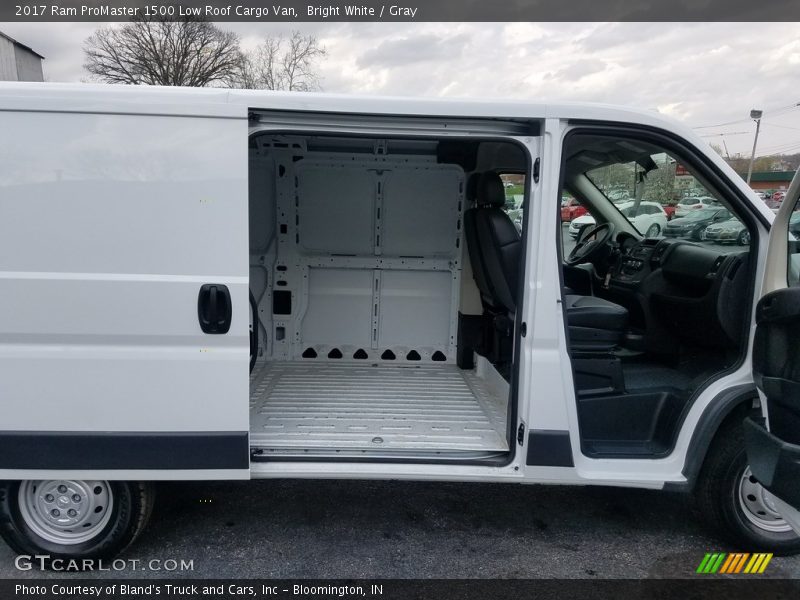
774, 463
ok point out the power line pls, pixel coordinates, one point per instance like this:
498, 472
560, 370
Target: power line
782, 126
775, 112
707, 135
780, 149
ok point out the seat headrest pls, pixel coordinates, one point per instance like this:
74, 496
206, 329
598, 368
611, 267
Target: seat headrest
490, 190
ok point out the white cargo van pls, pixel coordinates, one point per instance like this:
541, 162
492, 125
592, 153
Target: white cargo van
212, 284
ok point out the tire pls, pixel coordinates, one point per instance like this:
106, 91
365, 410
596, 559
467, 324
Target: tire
697, 234
721, 498
744, 238
652, 231
28, 532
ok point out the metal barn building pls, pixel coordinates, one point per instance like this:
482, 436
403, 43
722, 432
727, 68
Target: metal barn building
18, 62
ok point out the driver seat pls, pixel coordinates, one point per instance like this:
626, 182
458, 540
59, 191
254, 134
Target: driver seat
494, 245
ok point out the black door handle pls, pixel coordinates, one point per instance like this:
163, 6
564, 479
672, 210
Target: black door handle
214, 308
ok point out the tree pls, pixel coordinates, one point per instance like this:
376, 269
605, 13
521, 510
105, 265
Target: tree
188, 52
281, 64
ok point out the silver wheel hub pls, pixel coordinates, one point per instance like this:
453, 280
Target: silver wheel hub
757, 507
65, 511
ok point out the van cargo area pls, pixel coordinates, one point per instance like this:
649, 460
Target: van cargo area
441, 408
360, 280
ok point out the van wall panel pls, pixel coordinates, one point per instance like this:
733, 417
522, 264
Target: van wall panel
420, 212
109, 225
415, 309
339, 308
336, 208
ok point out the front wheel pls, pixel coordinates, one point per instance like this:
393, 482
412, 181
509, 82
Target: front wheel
744, 238
73, 519
653, 231
730, 499
697, 234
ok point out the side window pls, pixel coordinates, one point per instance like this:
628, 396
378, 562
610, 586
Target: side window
514, 184
794, 246
574, 218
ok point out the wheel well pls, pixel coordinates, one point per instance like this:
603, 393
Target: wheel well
727, 407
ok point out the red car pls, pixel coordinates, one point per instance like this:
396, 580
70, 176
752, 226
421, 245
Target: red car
571, 209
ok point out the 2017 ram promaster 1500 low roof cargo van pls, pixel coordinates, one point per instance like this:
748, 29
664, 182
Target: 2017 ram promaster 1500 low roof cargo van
215, 284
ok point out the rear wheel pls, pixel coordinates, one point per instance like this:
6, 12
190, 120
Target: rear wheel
78, 519
730, 499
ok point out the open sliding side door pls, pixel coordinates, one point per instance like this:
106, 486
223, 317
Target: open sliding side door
123, 290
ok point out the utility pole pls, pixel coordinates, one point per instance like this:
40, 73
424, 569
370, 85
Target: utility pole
756, 116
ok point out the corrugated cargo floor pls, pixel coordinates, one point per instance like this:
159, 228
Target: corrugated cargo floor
335, 407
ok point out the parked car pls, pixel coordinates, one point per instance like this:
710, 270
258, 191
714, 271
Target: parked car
773, 203
619, 197
692, 203
732, 231
794, 224
650, 219
571, 209
694, 224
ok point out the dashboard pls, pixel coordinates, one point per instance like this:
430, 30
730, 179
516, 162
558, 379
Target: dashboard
688, 288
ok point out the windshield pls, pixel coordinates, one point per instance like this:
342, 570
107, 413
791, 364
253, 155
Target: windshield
649, 188
639, 196
641, 182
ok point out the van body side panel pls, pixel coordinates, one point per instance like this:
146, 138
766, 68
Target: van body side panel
109, 226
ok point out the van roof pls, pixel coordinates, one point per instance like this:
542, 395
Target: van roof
74, 97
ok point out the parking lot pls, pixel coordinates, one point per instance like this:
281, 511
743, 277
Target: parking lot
363, 529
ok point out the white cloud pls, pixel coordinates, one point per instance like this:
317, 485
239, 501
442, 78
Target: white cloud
698, 72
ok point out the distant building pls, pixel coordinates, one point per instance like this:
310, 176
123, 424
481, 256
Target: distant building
770, 180
18, 62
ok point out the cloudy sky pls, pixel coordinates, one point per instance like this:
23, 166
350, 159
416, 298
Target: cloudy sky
703, 74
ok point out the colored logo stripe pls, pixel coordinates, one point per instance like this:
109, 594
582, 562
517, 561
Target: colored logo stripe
758, 563
711, 562
736, 562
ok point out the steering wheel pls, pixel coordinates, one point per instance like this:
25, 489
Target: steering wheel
591, 244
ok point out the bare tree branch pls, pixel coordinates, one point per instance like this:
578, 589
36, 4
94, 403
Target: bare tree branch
281, 64
186, 52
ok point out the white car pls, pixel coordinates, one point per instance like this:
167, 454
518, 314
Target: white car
650, 220
690, 203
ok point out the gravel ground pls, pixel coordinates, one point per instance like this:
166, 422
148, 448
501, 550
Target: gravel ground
358, 529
